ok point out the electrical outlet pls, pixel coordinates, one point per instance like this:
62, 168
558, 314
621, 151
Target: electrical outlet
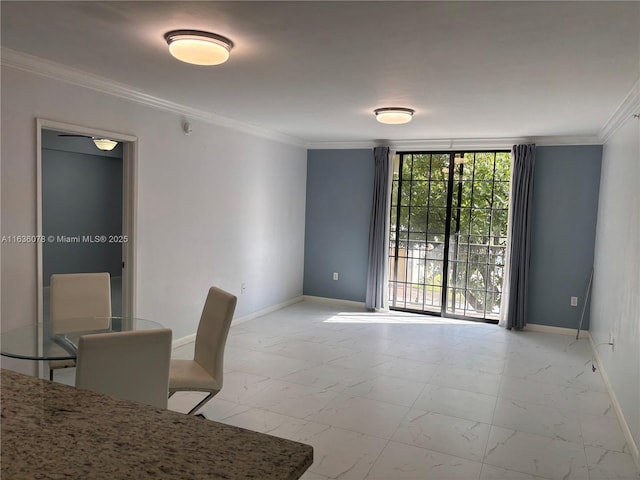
243, 287
574, 301
335, 275
611, 341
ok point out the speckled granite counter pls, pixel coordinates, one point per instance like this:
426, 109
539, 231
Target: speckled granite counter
52, 431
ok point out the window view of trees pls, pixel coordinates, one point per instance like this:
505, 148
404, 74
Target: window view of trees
475, 203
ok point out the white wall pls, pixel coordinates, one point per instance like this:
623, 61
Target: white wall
218, 207
615, 306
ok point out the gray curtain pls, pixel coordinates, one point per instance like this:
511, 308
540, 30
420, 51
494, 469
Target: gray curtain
521, 210
378, 230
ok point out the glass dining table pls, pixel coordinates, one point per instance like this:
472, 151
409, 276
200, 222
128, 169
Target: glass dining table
39, 342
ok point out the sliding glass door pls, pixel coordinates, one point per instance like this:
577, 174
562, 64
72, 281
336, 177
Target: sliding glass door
448, 233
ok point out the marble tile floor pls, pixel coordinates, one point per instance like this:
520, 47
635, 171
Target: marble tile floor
401, 396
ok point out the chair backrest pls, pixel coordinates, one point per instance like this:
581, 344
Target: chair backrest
79, 296
133, 365
213, 330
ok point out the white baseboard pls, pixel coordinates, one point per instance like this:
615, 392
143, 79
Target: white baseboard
183, 341
265, 311
633, 448
536, 327
237, 321
334, 301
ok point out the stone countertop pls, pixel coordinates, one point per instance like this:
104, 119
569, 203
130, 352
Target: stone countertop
53, 431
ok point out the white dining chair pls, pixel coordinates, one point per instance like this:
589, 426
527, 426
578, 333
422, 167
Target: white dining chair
133, 365
204, 372
78, 301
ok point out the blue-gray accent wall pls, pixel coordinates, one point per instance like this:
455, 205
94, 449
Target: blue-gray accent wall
565, 208
565, 205
81, 196
338, 210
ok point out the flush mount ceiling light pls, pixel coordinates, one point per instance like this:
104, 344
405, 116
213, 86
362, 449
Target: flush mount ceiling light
394, 115
105, 144
197, 47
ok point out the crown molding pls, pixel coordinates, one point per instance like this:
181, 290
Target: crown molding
47, 68
458, 143
628, 107
354, 145
57, 71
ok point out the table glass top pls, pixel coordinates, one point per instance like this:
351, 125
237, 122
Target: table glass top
61, 344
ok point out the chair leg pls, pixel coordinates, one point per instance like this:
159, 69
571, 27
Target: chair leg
51, 374
201, 403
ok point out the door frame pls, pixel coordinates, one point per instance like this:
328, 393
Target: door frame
129, 207
447, 235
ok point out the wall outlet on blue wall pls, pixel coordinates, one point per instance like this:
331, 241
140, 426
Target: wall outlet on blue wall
574, 301
335, 275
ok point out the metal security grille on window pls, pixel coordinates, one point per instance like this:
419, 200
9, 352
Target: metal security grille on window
449, 213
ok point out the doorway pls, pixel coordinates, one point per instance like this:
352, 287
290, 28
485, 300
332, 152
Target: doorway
86, 209
448, 235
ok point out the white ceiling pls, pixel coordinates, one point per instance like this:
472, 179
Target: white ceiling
316, 70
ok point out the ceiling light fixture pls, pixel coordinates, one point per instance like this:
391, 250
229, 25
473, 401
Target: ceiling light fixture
197, 47
394, 115
105, 144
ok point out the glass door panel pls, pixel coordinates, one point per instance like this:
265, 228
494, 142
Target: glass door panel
419, 212
478, 235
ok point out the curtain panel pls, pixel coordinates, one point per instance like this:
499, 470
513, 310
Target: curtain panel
378, 227
520, 240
